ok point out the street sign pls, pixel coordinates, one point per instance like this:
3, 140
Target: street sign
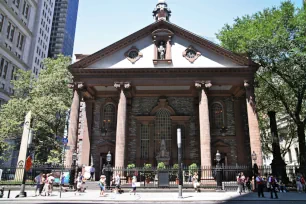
65, 140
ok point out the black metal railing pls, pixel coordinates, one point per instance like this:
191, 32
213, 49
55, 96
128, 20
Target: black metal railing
152, 177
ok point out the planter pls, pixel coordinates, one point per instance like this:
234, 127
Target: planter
177, 181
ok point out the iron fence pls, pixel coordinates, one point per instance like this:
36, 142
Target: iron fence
151, 177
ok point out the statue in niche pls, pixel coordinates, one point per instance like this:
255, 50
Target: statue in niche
161, 51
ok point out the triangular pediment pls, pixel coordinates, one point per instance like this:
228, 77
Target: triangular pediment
207, 53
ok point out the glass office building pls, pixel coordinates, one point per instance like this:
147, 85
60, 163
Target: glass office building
63, 27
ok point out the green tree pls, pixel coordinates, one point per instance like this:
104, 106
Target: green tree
275, 39
49, 99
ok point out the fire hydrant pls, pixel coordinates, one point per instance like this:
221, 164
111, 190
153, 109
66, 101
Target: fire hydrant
1, 192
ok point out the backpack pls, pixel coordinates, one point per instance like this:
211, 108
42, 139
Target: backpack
272, 181
302, 180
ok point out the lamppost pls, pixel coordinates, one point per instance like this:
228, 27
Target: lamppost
73, 171
218, 167
108, 169
255, 167
179, 146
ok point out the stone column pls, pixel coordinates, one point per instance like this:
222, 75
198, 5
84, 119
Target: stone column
253, 123
121, 124
205, 141
87, 127
74, 122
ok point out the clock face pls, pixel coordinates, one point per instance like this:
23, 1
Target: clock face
191, 53
133, 54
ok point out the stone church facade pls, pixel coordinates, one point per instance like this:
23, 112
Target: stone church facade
132, 96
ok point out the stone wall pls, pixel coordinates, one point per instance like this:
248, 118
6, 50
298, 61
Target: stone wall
142, 106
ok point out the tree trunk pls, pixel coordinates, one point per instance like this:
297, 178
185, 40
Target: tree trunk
301, 136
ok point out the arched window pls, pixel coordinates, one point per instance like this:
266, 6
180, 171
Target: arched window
109, 117
162, 129
217, 116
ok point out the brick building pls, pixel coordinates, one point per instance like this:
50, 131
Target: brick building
130, 98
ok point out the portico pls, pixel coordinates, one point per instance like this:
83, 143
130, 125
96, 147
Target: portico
138, 91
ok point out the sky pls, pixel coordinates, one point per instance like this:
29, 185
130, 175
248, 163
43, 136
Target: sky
103, 22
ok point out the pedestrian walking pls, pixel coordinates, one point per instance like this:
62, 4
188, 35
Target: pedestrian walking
240, 183
80, 182
242, 178
42, 183
37, 180
118, 183
273, 182
195, 181
92, 172
46, 189
51, 182
260, 185
299, 186
282, 187
134, 181
102, 184
303, 183
248, 184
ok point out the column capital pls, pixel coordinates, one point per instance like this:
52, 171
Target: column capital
77, 85
203, 84
122, 85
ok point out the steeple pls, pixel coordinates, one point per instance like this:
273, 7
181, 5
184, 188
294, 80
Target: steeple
162, 12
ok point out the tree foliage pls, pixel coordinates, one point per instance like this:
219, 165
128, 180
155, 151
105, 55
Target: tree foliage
276, 39
49, 99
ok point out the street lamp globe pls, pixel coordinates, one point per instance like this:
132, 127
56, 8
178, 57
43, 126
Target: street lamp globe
218, 156
108, 157
254, 156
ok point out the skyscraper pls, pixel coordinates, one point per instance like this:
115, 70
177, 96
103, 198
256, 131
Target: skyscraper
17, 22
63, 27
41, 35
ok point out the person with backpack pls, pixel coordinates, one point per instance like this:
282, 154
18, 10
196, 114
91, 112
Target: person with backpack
273, 183
303, 183
260, 185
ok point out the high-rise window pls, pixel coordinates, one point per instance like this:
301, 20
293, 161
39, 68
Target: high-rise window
16, 3
1, 21
13, 73
3, 67
25, 10
10, 31
20, 40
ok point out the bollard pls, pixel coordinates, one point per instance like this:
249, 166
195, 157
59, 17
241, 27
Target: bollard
9, 193
1, 192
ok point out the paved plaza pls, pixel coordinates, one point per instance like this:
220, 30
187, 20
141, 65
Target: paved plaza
214, 197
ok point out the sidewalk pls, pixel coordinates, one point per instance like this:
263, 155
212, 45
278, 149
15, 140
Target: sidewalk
92, 195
